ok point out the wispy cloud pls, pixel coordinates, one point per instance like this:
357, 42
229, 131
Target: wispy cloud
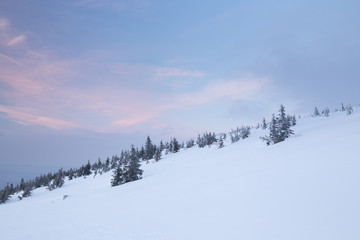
16, 40
161, 72
39, 89
28, 116
4, 23
233, 89
47, 94
118, 5
101, 3
12, 60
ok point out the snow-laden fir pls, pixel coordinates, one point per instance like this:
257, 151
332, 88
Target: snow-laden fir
307, 187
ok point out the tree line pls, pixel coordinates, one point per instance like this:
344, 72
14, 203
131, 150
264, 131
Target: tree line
126, 166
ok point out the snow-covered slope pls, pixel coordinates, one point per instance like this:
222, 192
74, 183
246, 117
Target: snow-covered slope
307, 187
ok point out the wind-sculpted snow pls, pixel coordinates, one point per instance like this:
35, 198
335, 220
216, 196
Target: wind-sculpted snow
306, 187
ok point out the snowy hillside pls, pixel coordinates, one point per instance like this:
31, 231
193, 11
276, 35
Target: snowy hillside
307, 187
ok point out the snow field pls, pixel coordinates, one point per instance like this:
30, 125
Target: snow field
304, 188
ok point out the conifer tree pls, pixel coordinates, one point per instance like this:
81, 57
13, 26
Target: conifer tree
316, 112
326, 112
149, 149
279, 128
174, 145
118, 177
133, 171
221, 142
27, 190
264, 124
342, 107
157, 155
87, 169
190, 143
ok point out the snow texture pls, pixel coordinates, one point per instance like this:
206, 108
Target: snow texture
304, 188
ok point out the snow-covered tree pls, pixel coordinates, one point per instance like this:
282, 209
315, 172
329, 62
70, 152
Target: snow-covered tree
349, 110
221, 142
149, 150
264, 124
133, 171
279, 128
174, 145
342, 107
118, 177
190, 143
157, 155
316, 112
326, 112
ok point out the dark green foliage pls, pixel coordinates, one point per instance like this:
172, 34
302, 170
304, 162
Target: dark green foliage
349, 110
206, 139
221, 142
342, 107
279, 128
326, 112
190, 143
118, 177
157, 155
5, 193
27, 191
316, 112
264, 124
174, 145
58, 180
239, 133
128, 169
133, 171
149, 150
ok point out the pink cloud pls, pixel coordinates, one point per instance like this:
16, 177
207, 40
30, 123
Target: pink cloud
12, 60
4, 23
58, 94
16, 40
27, 116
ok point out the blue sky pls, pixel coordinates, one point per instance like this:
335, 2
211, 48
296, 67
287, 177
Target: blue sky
84, 79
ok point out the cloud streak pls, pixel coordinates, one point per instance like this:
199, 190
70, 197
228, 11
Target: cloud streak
4, 23
38, 89
16, 40
233, 89
27, 116
12, 60
46, 87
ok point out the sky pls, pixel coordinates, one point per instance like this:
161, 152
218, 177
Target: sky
83, 79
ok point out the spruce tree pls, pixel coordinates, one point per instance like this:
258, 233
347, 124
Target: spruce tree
316, 112
149, 149
87, 169
157, 155
221, 142
118, 177
264, 124
279, 128
133, 171
326, 112
342, 107
174, 145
